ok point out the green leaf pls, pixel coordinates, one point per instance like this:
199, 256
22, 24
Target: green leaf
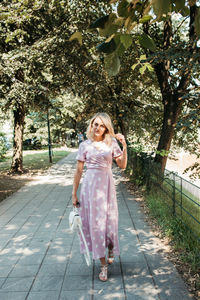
109, 27
197, 22
99, 23
4, 16
142, 69
77, 36
122, 8
161, 7
147, 42
149, 67
143, 57
145, 19
120, 47
107, 47
126, 40
112, 64
134, 66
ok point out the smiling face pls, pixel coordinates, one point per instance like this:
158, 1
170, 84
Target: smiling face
98, 129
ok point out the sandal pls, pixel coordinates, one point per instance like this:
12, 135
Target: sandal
103, 275
110, 256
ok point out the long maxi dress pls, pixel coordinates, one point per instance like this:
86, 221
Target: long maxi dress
98, 203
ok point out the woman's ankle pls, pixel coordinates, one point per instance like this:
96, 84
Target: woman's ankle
103, 261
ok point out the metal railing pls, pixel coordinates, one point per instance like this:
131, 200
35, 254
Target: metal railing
182, 196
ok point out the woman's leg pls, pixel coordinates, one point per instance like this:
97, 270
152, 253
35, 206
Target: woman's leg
103, 275
103, 260
110, 254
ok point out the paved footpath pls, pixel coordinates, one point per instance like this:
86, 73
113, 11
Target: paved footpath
40, 259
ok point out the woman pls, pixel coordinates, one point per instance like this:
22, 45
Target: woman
98, 203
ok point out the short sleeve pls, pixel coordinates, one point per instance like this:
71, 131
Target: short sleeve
81, 152
116, 151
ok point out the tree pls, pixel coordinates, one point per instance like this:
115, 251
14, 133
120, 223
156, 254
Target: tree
173, 55
39, 61
36, 60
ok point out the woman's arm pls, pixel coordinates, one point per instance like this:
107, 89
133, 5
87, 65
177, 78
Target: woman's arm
122, 159
77, 178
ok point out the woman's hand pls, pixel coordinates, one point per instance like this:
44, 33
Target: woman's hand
122, 159
121, 138
75, 200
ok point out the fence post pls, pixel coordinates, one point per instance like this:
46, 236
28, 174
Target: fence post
181, 197
173, 196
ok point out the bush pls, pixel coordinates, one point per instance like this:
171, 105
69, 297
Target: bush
4, 146
32, 144
137, 167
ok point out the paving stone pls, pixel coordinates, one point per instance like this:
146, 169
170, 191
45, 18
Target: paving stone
160, 265
47, 283
55, 258
24, 270
140, 294
50, 295
16, 284
178, 294
135, 268
5, 270
135, 256
29, 259
59, 249
166, 281
2, 280
144, 283
13, 295
79, 269
52, 270
75, 295
74, 283
105, 294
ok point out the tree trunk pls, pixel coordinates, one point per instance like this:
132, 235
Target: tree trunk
49, 137
172, 100
122, 127
172, 110
17, 159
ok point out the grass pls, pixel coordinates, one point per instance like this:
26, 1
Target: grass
183, 242
35, 159
184, 207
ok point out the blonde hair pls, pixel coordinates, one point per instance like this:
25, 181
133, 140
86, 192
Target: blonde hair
109, 133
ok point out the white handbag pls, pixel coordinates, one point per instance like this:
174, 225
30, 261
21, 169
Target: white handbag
75, 225
74, 220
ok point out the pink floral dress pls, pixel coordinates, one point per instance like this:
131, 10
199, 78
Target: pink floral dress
98, 203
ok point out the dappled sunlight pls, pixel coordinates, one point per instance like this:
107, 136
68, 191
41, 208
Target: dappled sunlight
56, 209
130, 230
146, 286
47, 225
19, 238
128, 248
11, 227
144, 233
58, 258
115, 295
109, 294
5, 251
27, 251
